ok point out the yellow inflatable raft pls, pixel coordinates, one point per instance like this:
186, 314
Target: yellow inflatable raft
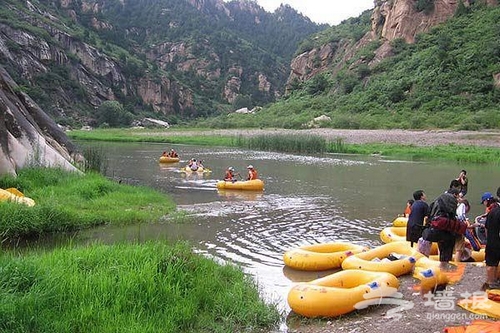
430, 278
398, 234
400, 221
393, 234
249, 185
376, 260
320, 257
483, 305
187, 169
168, 159
14, 195
452, 274
338, 293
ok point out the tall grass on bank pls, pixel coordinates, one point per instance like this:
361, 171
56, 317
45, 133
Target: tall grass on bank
150, 287
67, 201
95, 160
288, 143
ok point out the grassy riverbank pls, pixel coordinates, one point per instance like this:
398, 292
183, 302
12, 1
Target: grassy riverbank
150, 287
68, 201
298, 143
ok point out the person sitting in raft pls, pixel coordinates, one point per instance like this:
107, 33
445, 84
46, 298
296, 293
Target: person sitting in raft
164, 154
193, 165
230, 175
252, 173
173, 153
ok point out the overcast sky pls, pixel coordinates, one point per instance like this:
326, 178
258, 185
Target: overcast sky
322, 11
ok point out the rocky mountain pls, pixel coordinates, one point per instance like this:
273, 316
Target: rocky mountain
169, 59
390, 20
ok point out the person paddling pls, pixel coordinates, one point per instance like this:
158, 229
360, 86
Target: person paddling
231, 175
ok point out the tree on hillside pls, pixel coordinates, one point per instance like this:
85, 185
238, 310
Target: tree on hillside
112, 113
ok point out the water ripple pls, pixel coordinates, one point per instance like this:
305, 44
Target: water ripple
261, 231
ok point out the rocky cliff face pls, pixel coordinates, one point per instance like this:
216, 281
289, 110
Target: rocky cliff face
100, 75
391, 19
401, 19
27, 135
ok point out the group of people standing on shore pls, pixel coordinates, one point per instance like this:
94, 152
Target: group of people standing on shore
445, 222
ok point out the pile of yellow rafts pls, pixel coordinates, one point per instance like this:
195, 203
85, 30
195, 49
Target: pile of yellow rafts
367, 276
14, 195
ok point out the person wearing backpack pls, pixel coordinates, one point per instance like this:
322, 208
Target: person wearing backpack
444, 224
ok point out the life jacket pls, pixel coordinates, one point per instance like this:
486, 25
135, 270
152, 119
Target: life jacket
229, 175
407, 210
252, 174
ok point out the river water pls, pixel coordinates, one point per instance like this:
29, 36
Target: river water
306, 200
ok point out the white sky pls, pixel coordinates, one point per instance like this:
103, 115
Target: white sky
322, 11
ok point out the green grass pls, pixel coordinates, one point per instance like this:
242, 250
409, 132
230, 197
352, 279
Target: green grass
68, 201
451, 152
150, 287
204, 138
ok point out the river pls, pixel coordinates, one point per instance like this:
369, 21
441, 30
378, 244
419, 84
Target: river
306, 200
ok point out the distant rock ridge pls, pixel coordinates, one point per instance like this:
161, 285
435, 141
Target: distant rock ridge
27, 135
391, 19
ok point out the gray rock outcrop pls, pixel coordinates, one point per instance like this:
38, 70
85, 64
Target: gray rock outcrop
28, 137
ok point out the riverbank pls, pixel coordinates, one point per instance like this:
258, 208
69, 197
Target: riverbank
147, 287
140, 287
425, 138
457, 146
67, 201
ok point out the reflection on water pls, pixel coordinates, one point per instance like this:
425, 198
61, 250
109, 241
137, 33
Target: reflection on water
307, 200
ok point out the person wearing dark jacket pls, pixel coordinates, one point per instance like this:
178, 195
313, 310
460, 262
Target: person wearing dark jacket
444, 224
419, 212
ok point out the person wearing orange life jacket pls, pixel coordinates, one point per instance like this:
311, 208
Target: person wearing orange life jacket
252, 173
407, 211
230, 175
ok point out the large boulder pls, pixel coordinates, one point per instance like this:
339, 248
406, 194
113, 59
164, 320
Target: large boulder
151, 122
28, 137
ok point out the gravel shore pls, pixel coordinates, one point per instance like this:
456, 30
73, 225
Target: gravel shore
406, 137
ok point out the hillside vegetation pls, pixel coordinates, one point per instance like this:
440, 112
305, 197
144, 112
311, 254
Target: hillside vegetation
168, 59
444, 80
